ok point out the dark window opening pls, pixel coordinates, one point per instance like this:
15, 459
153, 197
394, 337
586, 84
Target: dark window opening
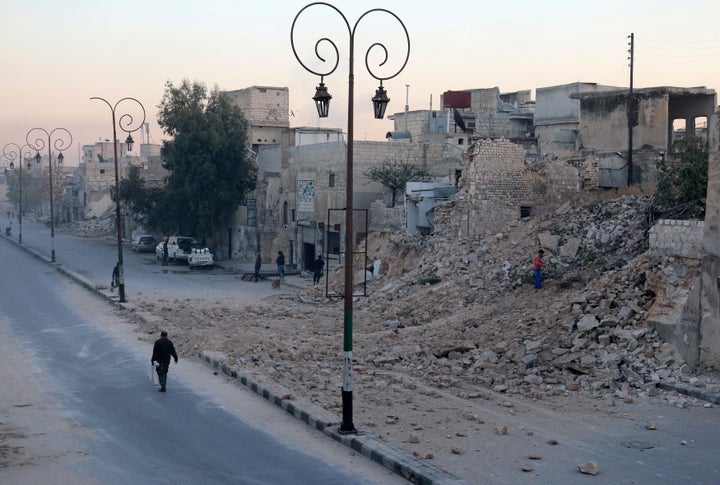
525, 212
331, 181
252, 212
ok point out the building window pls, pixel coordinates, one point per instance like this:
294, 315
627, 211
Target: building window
252, 212
285, 213
331, 180
102, 171
293, 215
460, 141
525, 212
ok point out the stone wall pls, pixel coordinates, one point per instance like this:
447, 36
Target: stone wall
677, 238
710, 292
386, 219
498, 187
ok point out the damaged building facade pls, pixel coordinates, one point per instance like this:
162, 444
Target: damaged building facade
529, 157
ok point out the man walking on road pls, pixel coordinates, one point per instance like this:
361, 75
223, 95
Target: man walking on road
163, 350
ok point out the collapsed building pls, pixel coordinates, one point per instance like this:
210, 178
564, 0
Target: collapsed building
572, 139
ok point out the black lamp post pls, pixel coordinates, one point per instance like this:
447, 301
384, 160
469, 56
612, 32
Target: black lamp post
13, 151
126, 122
60, 139
322, 103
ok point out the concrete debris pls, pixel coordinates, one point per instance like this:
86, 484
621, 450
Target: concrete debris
589, 468
459, 314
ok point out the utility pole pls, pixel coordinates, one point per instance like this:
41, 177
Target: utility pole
631, 110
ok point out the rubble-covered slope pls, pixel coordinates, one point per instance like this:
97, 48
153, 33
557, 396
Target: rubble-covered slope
462, 315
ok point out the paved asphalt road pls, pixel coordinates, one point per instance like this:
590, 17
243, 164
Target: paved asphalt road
139, 435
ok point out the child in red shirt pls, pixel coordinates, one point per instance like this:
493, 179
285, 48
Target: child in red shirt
538, 265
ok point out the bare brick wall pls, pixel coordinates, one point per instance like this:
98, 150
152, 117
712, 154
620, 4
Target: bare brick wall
497, 183
670, 237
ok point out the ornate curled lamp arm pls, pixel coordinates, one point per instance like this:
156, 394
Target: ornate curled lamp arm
126, 122
59, 139
382, 46
320, 42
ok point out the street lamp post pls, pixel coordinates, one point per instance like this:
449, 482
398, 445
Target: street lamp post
60, 139
12, 152
322, 103
126, 122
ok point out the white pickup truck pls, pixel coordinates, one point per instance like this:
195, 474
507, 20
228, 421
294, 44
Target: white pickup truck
178, 248
200, 256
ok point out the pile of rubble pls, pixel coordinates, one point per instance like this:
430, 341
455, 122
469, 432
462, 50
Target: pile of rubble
95, 227
468, 314
462, 315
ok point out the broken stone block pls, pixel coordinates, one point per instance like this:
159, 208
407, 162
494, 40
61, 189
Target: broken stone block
588, 322
529, 360
589, 468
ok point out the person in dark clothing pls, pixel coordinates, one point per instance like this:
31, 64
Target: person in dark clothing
165, 252
318, 269
115, 282
258, 265
163, 350
281, 264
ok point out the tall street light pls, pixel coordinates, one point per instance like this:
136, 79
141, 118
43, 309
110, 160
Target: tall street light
60, 139
322, 103
127, 123
12, 152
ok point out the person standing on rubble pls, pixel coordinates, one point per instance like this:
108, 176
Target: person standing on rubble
538, 265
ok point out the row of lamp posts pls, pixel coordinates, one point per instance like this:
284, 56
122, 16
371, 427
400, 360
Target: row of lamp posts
60, 139
322, 99
322, 103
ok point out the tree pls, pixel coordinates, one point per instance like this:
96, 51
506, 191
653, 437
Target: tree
12, 177
210, 171
682, 182
395, 175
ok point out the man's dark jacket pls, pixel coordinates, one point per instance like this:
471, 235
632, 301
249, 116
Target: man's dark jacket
163, 350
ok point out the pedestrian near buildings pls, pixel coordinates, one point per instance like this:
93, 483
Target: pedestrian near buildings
538, 265
165, 252
163, 351
258, 265
281, 264
318, 269
115, 281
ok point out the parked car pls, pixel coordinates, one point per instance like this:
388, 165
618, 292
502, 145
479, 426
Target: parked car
200, 256
178, 248
144, 243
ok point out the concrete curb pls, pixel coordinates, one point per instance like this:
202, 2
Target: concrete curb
399, 461
710, 397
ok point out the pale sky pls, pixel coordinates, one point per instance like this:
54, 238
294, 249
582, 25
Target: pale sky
55, 55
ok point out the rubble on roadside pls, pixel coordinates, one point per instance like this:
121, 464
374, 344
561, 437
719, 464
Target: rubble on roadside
462, 315
91, 228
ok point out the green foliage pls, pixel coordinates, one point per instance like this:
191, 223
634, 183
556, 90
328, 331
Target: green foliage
682, 182
32, 189
210, 171
395, 175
